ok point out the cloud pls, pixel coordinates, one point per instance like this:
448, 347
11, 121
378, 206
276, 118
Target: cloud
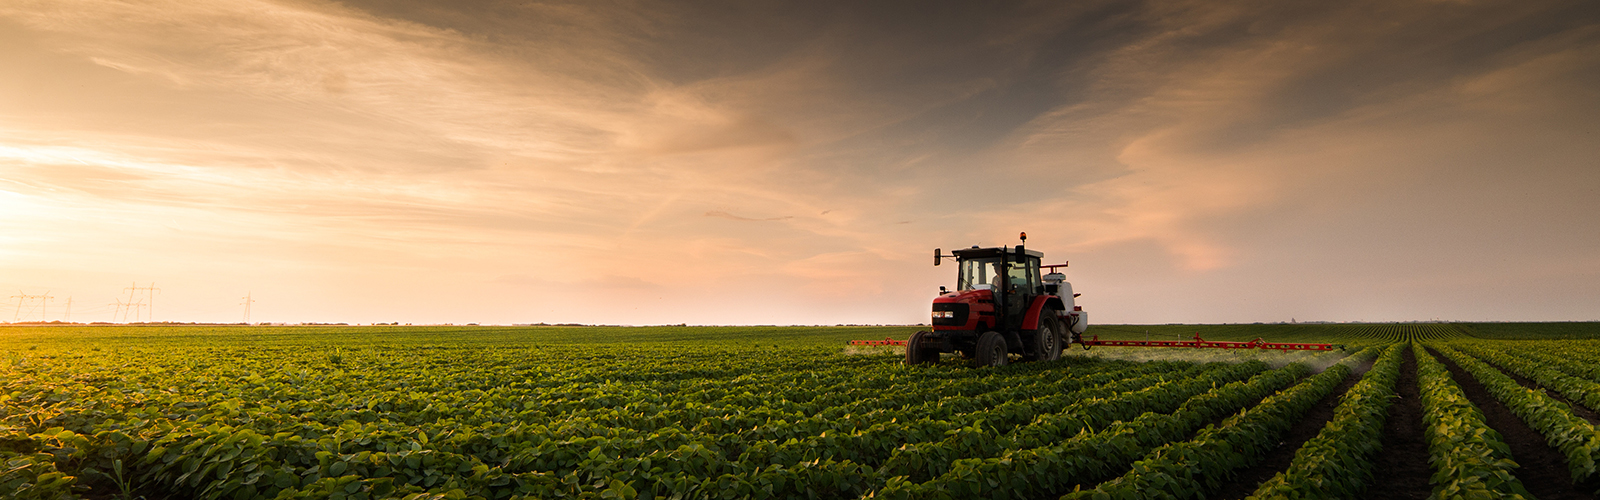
725, 215
841, 274
682, 123
323, 76
522, 280
1239, 122
476, 143
607, 282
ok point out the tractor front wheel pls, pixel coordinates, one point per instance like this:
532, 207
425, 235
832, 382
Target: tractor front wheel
992, 350
916, 354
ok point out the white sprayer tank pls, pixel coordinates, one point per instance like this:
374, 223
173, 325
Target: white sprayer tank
1077, 318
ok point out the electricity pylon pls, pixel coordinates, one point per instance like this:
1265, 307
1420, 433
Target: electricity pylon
44, 305
246, 304
150, 292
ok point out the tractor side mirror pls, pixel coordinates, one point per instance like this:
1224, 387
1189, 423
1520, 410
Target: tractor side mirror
937, 256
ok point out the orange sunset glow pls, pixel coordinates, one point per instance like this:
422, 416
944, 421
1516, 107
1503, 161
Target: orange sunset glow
745, 163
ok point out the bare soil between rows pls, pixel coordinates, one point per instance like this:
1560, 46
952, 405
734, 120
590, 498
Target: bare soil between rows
1246, 481
1401, 470
1090, 482
1577, 409
1542, 469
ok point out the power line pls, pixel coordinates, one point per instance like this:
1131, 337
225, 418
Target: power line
150, 291
131, 291
124, 308
246, 304
23, 298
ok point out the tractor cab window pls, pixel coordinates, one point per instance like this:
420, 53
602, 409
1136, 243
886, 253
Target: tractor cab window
1025, 275
978, 274
987, 274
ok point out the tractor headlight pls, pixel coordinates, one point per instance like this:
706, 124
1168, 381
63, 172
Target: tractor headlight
949, 314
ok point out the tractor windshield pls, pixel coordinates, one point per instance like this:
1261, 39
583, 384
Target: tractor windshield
986, 274
977, 274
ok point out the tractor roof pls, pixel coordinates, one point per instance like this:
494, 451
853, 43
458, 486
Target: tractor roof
993, 252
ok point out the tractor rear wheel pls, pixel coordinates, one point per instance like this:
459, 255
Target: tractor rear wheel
916, 354
1048, 339
992, 350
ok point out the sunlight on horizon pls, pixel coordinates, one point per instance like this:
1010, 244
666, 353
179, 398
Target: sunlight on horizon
677, 163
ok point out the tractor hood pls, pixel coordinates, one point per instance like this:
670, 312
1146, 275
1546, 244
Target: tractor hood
965, 297
964, 310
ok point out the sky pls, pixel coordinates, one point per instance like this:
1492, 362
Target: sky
710, 162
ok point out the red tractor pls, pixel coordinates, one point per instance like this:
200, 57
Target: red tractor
1001, 306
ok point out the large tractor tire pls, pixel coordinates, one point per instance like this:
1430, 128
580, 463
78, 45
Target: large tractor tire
916, 354
1050, 339
992, 350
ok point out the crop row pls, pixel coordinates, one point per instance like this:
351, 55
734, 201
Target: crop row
1196, 468
1469, 458
340, 399
1411, 333
926, 461
282, 422
204, 430
55, 400
30, 476
1582, 391
829, 465
1337, 463
1574, 436
1577, 359
1046, 470
871, 442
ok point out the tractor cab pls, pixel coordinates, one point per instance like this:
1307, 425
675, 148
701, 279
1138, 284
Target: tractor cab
1005, 276
985, 269
1001, 306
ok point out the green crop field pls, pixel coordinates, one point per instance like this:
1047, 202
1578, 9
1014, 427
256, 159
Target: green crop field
228, 412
